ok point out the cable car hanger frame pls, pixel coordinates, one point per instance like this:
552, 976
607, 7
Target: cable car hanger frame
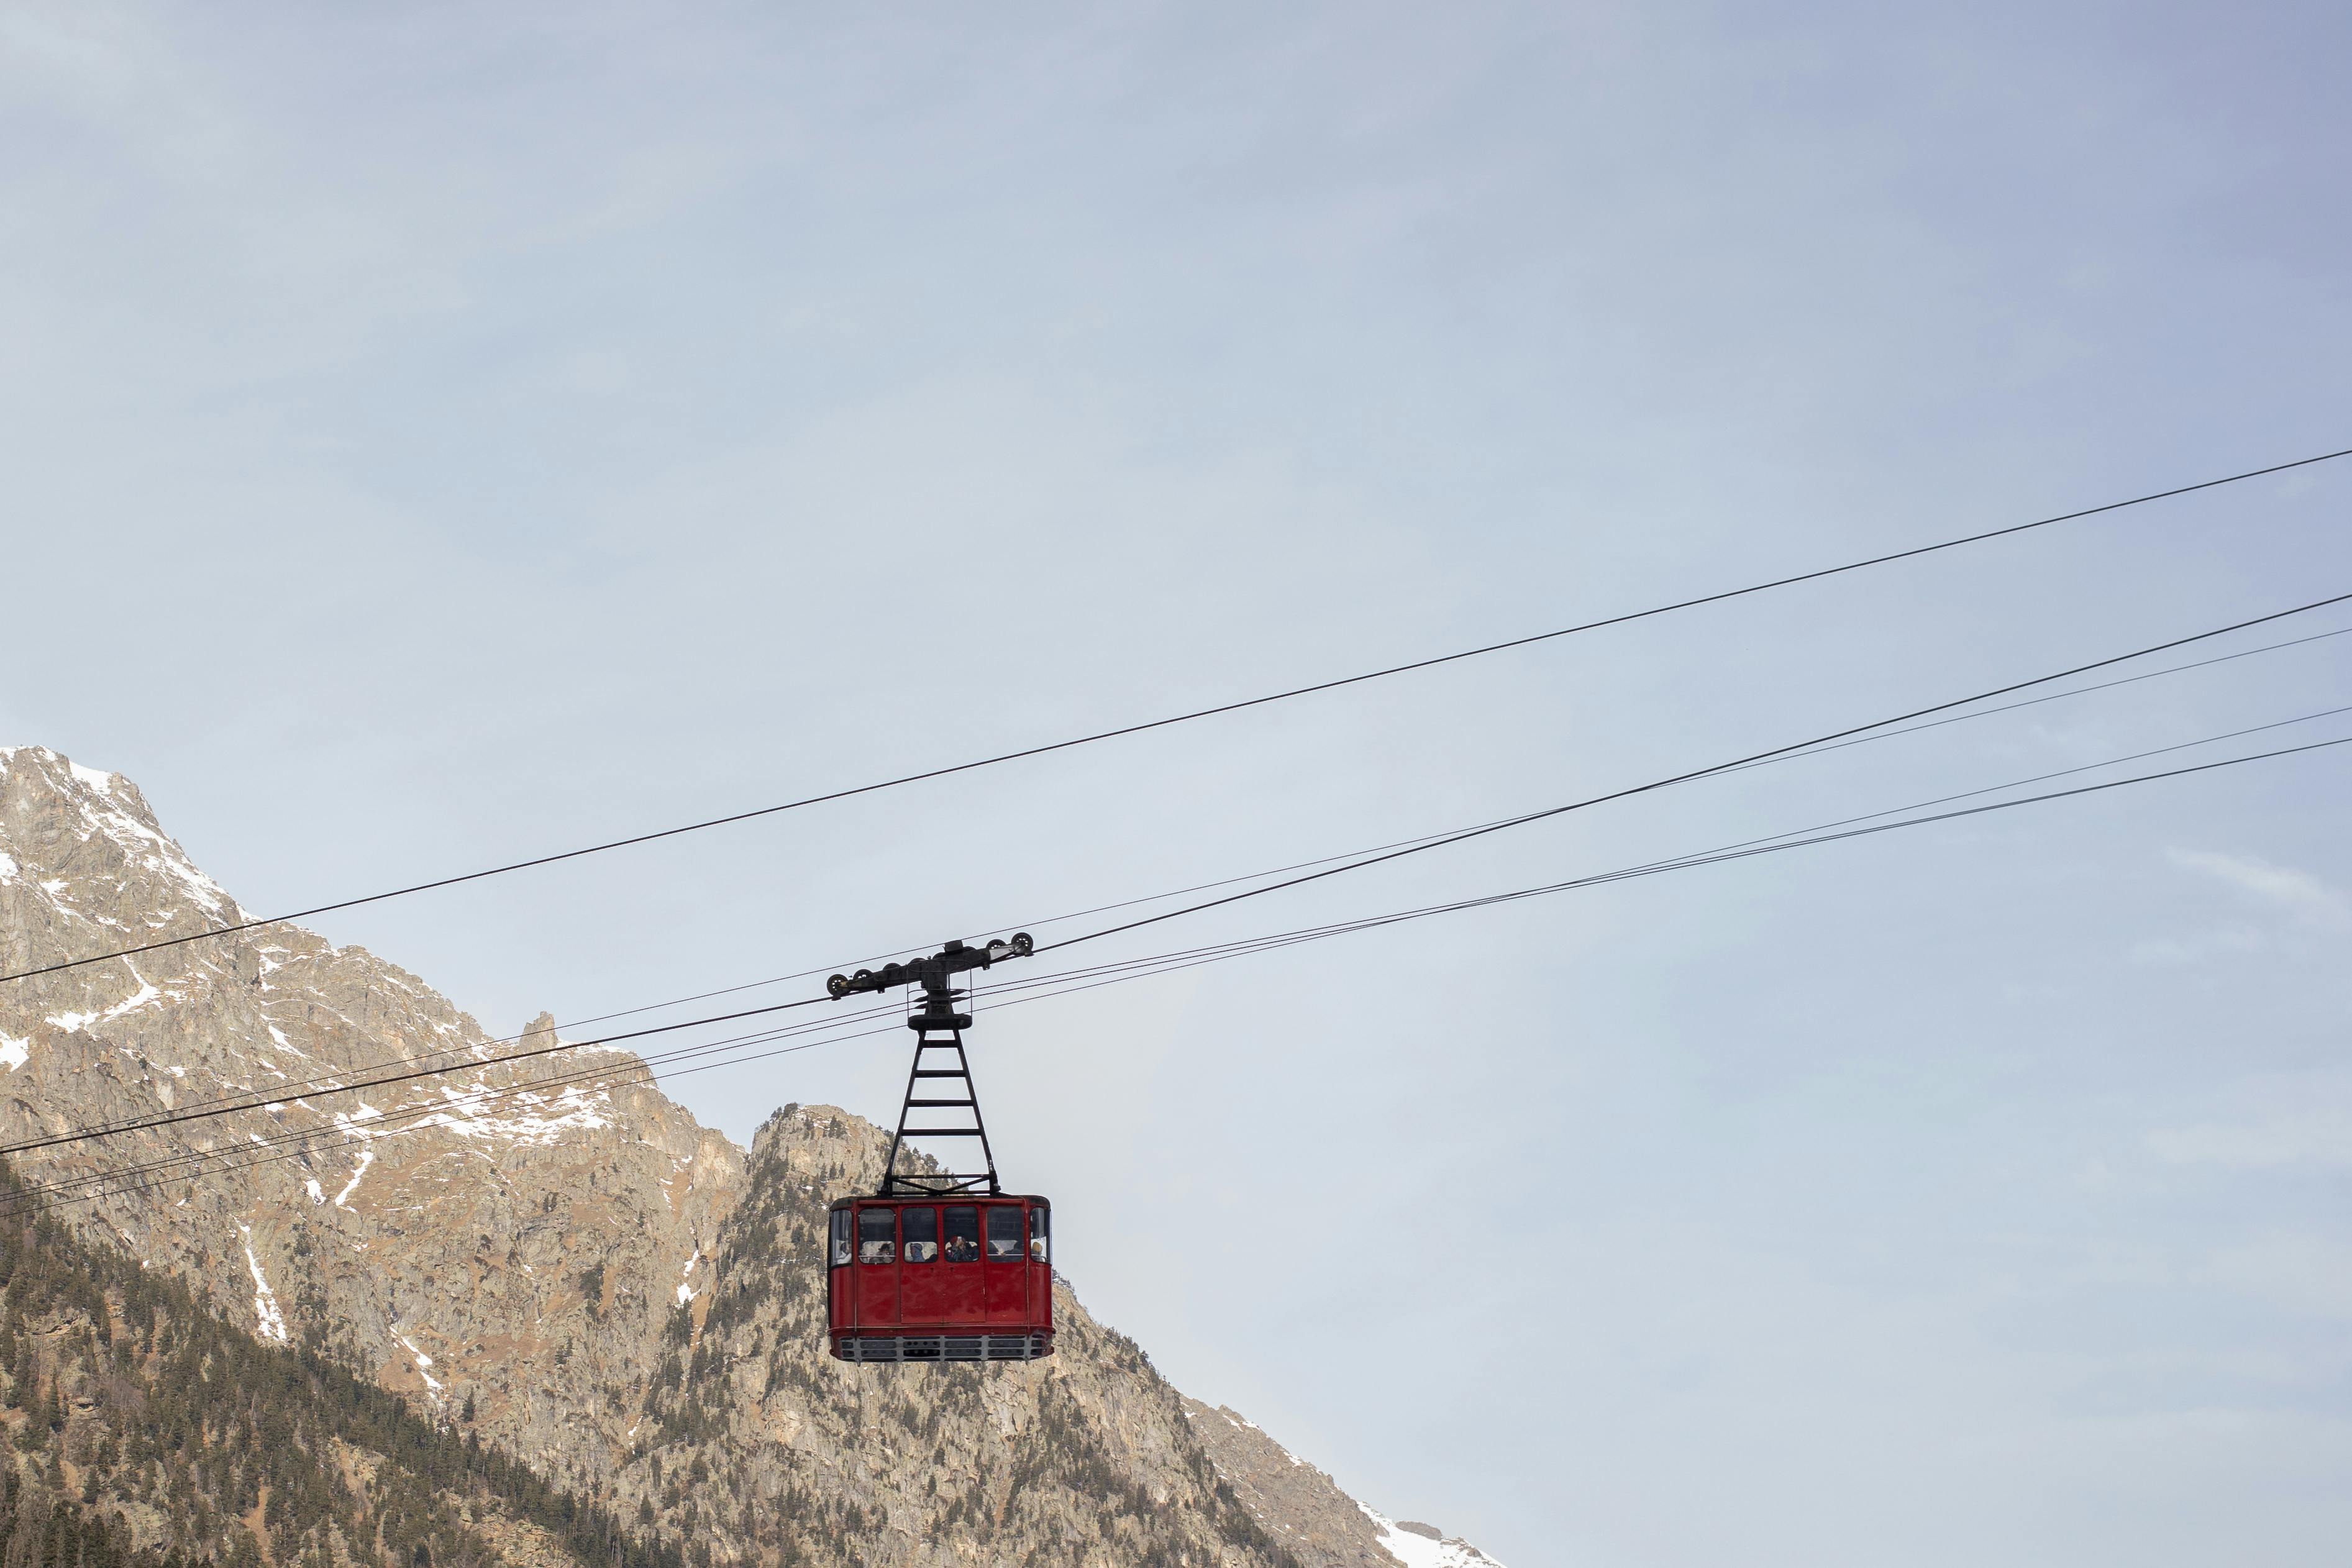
938, 1026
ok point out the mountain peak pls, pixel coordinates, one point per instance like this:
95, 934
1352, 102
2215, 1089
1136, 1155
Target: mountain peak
550, 1254
90, 843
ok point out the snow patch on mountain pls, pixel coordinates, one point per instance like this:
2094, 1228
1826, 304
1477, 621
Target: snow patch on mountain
265, 1300
146, 996
74, 1023
538, 1120
1422, 1546
13, 1051
423, 1362
349, 1126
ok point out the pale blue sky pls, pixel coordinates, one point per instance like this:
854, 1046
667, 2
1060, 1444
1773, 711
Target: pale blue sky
441, 434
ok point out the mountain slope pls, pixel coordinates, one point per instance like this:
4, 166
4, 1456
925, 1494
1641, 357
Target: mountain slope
1084, 1457
574, 1273
142, 1432
440, 1241
1305, 1509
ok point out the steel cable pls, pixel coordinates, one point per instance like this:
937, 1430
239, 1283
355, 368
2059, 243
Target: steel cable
1185, 718
1063, 983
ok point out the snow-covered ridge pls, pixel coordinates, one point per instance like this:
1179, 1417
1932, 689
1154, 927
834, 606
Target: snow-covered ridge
109, 805
1421, 1546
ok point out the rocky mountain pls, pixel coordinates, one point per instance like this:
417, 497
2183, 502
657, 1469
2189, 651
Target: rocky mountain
550, 1256
1305, 1509
144, 1432
440, 1240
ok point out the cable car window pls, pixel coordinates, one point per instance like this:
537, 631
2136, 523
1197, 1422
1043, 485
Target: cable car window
841, 1238
1003, 1235
922, 1234
876, 1236
1041, 1227
963, 1236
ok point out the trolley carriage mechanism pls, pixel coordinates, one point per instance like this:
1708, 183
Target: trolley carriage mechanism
941, 1265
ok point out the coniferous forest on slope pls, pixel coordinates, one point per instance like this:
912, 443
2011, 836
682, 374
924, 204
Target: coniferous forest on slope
142, 1432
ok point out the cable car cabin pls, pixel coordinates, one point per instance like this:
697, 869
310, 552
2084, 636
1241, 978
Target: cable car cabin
951, 1277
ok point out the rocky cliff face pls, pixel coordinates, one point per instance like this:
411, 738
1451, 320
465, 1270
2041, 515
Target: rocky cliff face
575, 1271
144, 1432
1300, 1506
1084, 1457
523, 1251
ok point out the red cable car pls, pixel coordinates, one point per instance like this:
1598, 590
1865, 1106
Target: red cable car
939, 1266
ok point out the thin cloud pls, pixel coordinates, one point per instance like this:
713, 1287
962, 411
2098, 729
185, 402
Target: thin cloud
2306, 1274
2314, 1138
2297, 892
2197, 948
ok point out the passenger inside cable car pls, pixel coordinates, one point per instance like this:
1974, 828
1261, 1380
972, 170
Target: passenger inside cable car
921, 1229
963, 1235
876, 1236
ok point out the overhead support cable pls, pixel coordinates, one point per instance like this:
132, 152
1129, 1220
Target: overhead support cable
1433, 662
1793, 748
410, 1072
262, 1099
475, 1099
1800, 755
190, 1165
459, 1057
